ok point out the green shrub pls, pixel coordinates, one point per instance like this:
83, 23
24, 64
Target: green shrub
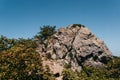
111, 71
67, 65
68, 74
46, 32
70, 55
80, 25
22, 62
48, 55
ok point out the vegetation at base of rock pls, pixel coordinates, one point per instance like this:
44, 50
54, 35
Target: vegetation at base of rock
22, 62
110, 72
47, 75
68, 74
68, 65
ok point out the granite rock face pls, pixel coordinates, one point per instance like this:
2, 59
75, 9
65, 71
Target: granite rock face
74, 46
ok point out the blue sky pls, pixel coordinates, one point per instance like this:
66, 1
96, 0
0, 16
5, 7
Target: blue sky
22, 18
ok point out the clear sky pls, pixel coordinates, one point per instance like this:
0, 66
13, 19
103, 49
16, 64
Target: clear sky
22, 18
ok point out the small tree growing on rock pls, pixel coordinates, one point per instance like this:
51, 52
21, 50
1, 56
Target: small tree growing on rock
46, 32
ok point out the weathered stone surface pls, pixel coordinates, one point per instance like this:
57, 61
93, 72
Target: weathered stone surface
75, 45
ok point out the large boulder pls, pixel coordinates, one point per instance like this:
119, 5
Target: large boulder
75, 46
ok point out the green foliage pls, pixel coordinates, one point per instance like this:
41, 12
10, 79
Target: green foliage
74, 25
67, 65
114, 67
22, 62
70, 55
48, 55
46, 32
6, 43
111, 71
47, 75
68, 74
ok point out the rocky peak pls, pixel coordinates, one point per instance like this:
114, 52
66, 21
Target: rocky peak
72, 47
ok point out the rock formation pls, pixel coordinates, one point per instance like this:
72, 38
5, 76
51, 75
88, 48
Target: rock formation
72, 47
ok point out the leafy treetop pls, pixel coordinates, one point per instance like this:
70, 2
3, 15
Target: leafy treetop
46, 32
